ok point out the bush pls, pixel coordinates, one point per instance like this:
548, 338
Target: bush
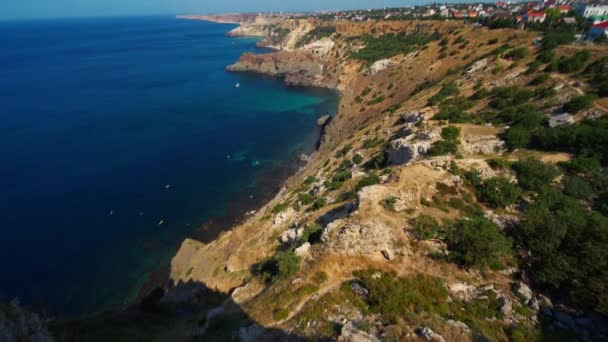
389, 203
533, 174
569, 248
553, 39
579, 103
371, 143
389, 45
574, 63
368, 180
450, 89
517, 53
443, 147
318, 203
426, 227
312, 233
498, 192
357, 159
454, 110
540, 79
577, 187
394, 297
505, 97
517, 137
343, 151
476, 241
546, 56
451, 133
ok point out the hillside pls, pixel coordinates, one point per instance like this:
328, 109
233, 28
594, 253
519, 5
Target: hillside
458, 194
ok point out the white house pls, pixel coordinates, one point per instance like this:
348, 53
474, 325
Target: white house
590, 10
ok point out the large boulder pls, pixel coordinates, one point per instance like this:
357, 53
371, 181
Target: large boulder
404, 151
292, 234
358, 239
379, 66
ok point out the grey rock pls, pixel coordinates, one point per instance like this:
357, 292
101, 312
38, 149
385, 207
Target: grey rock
506, 306
534, 304
561, 119
350, 333
458, 324
323, 120
523, 291
429, 335
404, 151
358, 289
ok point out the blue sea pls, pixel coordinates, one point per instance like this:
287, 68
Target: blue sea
120, 137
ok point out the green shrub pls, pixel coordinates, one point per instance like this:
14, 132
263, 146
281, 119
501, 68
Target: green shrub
279, 207
517, 137
371, 143
343, 151
553, 39
533, 174
280, 314
579, 103
312, 233
476, 241
569, 248
540, 79
318, 203
449, 89
394, 297
454, 110
426, 227
574, 63
498, 192
389, 203
450, 133
505, 97
546, 56
517, 53
368, 180
310, 179
577, 187
443, 147
306, 199
357, 159
389, 45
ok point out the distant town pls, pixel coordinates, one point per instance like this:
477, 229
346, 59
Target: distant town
589, 20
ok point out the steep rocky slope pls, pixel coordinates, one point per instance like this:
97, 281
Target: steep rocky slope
407, 223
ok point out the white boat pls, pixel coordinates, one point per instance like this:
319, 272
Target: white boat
237, 85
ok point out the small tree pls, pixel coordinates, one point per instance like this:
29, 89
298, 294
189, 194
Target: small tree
533, 174
451, 133
476, 241
498, 192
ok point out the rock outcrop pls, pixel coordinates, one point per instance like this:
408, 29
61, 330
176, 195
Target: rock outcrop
298, 68
368, 238
19, 324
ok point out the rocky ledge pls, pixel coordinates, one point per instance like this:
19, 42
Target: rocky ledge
298, 68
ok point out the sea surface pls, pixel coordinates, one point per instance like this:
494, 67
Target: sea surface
119, 137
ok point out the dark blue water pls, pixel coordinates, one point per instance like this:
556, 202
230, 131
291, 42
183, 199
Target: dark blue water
109, 127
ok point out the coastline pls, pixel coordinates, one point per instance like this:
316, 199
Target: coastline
246, 204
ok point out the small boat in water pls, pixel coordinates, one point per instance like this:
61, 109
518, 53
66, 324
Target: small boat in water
237, 85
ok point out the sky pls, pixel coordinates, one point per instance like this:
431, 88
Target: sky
22, 9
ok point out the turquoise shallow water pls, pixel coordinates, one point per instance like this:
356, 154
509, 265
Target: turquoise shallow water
110, 126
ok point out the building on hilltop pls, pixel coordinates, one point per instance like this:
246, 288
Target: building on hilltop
535, 17
592, 10
598, 30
